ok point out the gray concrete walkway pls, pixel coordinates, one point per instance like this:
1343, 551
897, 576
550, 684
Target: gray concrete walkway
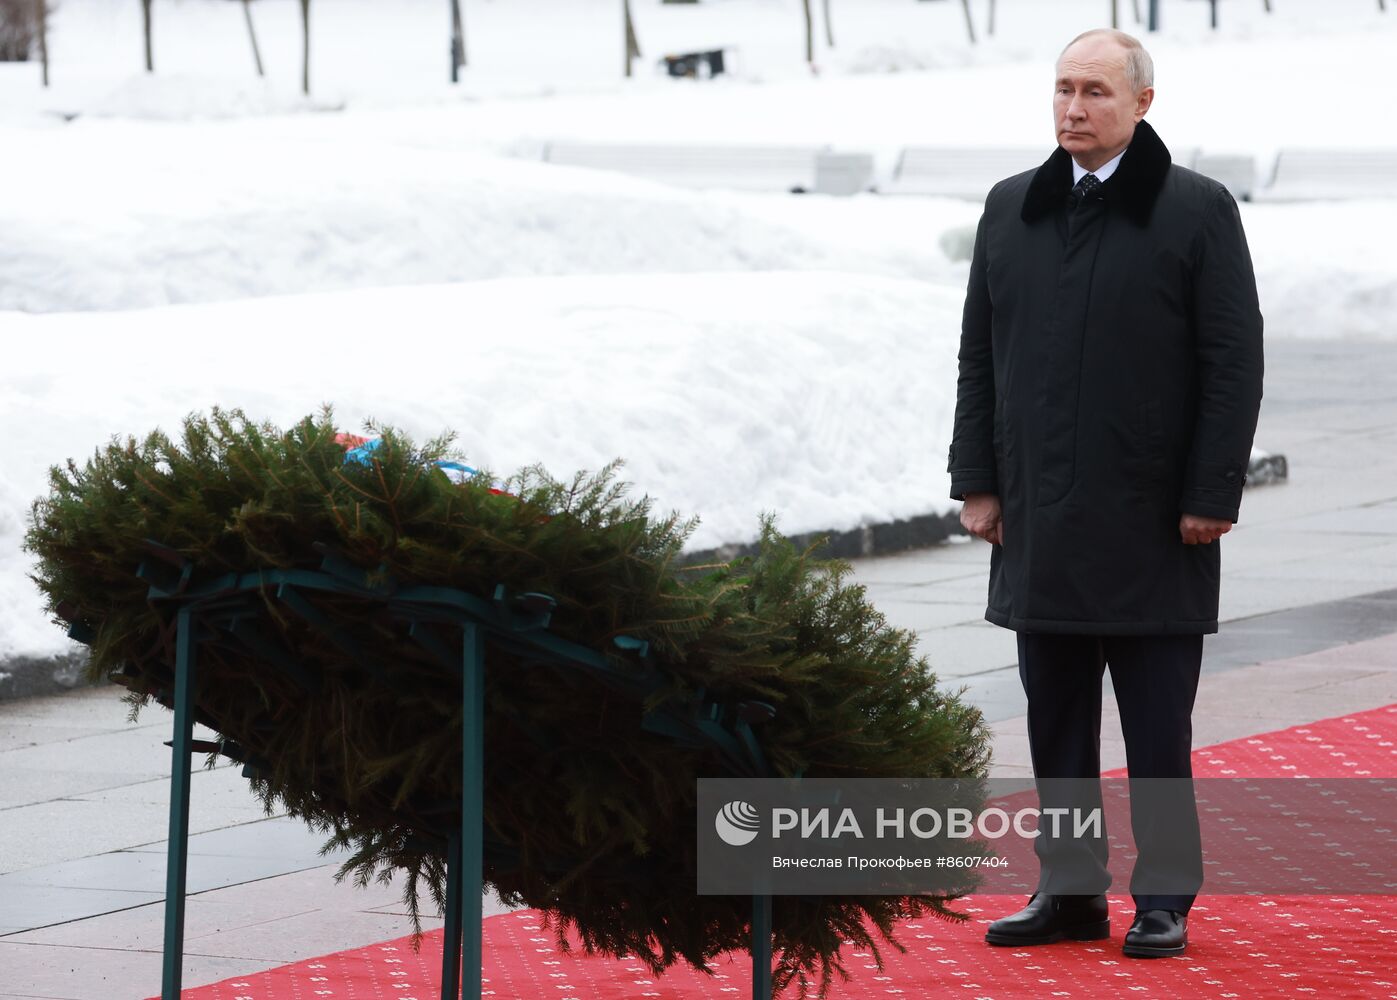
1310, 631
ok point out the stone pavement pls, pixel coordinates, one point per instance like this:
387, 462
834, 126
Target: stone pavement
1310, 630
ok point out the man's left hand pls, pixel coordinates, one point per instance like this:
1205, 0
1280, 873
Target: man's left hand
1197, 530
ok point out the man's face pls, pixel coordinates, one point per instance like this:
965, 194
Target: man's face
1094, 108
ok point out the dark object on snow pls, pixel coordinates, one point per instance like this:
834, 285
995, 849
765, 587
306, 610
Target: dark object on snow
696, 64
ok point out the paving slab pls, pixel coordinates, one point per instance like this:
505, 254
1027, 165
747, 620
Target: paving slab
140, 750
229, 931
23, 785
278, 837
929, 614
957, 652
95, 973
145, 872
41, 905
20, 733
69, 829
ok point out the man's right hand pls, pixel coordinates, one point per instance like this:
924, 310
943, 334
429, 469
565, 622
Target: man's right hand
982, 517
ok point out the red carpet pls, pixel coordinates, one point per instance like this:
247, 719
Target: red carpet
1240, 947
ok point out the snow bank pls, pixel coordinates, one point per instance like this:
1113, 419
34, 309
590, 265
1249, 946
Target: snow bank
1326, 269
194, 97
825, 397
208, 212
197, 214
113, 213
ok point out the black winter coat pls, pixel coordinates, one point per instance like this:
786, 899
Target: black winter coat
1110, 379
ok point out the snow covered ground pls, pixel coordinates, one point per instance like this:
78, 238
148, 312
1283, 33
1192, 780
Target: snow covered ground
200, 237
818, 395
204, 212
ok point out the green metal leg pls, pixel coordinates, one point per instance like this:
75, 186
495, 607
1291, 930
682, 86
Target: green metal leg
451, 948
177, 852
472, 806
761, 948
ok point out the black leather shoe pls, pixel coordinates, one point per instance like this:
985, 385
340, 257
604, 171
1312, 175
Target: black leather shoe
1048, 918
1157, 934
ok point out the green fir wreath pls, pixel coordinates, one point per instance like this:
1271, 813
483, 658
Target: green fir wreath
599, 815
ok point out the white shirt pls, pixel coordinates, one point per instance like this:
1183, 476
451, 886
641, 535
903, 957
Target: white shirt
1105, 170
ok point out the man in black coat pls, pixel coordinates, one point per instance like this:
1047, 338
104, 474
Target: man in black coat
1110, 379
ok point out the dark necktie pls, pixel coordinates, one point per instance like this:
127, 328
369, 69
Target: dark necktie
1085, 190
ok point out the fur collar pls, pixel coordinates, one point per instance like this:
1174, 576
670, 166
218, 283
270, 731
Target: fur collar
1134, 186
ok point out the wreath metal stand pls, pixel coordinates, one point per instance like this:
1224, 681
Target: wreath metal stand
227, 609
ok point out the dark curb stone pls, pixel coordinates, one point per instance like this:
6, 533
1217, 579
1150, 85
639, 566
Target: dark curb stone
874, 539
919, 532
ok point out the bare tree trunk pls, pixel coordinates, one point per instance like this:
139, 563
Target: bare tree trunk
632, 43
969, 22
458, 41
43, 17
1115, 14
145, 18
809, 34
305, 46
1135, 6
829, 26
1267, 5
991, 25
252, 34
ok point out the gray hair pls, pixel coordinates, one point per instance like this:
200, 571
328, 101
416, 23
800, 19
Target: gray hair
1139, 67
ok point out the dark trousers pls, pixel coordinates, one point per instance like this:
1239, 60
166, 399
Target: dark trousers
1155, 680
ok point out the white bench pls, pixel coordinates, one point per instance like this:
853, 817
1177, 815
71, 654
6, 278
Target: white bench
1315, 174
748, 168
1236, 172
960, 173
